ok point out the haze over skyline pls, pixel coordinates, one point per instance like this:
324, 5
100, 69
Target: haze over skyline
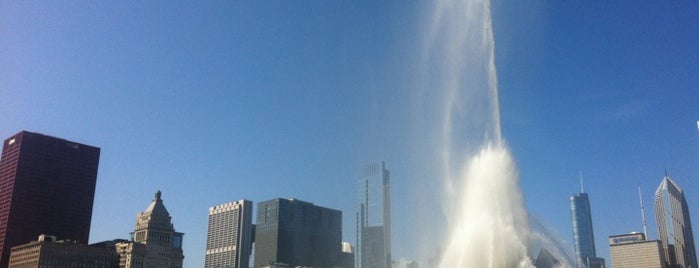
216, 102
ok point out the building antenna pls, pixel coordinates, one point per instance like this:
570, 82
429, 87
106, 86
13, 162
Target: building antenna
582, 188
643, 212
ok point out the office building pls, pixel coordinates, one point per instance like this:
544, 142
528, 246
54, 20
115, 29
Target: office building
229, 235
154, 243
546, 260
46, 251
374, 218
347, 256
47, 186
291, 233
634, 251
674, 226
583, 235
404, 263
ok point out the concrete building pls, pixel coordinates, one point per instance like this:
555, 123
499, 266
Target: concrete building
47, 186
49, 252
634, 251
374, 218
154, 243
229, 235
583, 235
674, 225
291, 232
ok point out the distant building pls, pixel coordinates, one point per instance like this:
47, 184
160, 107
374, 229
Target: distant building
634, 251
583, 236
546, 260
49, 252
403, 263
291, 232
47, 186
347, 256
131, 255
374, 218
229, 235
674, 226
154, 242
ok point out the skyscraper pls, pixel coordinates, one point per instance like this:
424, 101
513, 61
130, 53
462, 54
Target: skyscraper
374, 218
291, 233
674, 226
583, 236
229, 236
154, 242
47, 186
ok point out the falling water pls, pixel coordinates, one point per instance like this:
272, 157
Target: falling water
488, 222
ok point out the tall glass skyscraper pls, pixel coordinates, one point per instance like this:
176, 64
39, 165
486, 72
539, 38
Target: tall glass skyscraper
674, 227
295, 233
583, 236
374, 218
229, 235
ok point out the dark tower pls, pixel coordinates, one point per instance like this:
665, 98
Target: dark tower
291, 233
47, 186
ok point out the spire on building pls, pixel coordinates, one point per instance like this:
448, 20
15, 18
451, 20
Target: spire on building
674, 225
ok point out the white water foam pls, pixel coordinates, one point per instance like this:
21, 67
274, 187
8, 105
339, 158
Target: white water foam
488, 224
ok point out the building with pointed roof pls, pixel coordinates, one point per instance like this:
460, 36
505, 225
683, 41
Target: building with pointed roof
155, 243
674, 226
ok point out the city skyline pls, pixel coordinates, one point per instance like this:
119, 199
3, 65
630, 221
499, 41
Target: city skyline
212, 102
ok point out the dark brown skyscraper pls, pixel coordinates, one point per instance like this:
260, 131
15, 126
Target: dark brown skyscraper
47, 186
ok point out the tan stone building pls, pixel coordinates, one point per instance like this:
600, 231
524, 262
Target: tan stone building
155, 244
47, 252
634, 251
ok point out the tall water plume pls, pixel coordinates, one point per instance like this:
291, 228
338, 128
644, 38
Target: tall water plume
488, 225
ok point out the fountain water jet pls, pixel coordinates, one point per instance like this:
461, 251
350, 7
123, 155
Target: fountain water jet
488, 222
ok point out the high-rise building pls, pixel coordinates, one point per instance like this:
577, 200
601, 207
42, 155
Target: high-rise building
374, 218
154, 242
47, 186
229, 236
291, 233
634, 251
546, 260
404, 263
674, 226
583, 236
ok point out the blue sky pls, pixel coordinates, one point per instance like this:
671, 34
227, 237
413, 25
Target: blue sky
220, 101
